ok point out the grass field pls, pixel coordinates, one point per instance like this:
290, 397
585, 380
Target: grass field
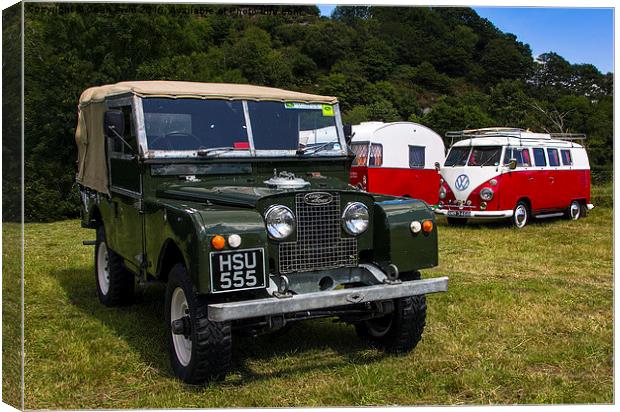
528, 319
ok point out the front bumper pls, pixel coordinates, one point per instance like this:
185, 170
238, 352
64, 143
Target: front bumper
489, 214
219, 312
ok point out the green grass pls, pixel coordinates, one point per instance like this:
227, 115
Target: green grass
11, 315
527, 319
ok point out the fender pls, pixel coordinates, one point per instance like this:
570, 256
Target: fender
395, 243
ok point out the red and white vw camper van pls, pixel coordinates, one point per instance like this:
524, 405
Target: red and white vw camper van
397, 159
516, 174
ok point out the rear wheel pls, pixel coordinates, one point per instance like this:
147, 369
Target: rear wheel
401, 330
200, 350
576, 210
521, 215
455, 221
115, 283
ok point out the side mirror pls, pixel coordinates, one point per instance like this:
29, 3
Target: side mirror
348, 133
512, 164
437, 166
114, 121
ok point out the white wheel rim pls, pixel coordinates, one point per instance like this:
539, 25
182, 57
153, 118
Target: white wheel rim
520, 216
178, 309
103, 268
575, 210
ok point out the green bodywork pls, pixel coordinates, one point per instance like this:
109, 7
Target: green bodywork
174, 219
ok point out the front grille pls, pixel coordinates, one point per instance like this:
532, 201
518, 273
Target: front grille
319, 244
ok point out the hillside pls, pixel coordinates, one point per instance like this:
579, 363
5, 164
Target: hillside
443, 67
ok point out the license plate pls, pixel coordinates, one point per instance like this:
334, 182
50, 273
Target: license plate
459, 213
237, 270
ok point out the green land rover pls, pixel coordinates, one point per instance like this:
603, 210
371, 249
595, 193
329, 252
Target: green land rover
237, 197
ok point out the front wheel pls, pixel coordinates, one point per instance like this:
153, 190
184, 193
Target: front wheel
200, 350
399, 331
521, 215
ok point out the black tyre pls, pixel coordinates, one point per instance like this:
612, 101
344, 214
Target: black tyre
401, 330
200, 350
115, 283
576, 210
457, 221
521, 215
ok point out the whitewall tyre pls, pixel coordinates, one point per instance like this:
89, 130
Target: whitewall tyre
575, 210
521, 215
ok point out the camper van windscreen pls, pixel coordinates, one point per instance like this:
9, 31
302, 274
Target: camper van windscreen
457, 156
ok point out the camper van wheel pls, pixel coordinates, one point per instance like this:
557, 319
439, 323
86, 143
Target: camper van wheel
456, 221
576, 210
521, 215
115, 283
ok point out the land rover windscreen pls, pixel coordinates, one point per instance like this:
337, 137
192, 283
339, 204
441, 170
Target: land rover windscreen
240, 128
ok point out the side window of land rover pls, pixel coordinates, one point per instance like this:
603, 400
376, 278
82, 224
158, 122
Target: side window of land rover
119, 147
554, 159
539, 157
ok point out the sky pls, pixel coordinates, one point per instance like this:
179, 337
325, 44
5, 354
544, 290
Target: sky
580, 35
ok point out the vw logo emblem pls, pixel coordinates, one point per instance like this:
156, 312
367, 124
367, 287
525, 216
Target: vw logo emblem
462, 182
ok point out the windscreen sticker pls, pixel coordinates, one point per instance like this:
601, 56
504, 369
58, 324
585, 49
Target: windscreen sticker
303, 106
328, 110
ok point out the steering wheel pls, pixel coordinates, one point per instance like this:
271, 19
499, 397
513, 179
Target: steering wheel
180, 133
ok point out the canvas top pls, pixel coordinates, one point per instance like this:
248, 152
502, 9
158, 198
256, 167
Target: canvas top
178, 89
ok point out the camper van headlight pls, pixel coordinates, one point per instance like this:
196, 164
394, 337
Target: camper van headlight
442, 192
280, 221
355, 218
486, 194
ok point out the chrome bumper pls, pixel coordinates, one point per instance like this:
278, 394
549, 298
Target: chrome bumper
219, 312
491, 214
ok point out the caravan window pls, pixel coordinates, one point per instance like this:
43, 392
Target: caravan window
567, 160
554, 159
376, 155
361, 153
539, 157
416, 157
521, 155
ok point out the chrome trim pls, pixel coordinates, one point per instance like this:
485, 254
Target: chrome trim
248, 126
482, 214
220, 312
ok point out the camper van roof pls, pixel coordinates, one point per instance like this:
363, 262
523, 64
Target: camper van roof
504, 140
513, 137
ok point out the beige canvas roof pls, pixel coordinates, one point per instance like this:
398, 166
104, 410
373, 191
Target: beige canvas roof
178, 89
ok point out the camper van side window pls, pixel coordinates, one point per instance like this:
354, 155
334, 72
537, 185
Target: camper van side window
522, 156
567, 160
376, 155
539, 157
416, 157
554, 159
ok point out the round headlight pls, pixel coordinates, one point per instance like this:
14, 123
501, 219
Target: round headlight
355, 218
486, 194
280, 221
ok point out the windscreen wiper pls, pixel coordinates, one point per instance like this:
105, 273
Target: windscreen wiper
312, 149
218, 150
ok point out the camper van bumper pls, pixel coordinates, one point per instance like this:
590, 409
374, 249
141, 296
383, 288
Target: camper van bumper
466, 214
